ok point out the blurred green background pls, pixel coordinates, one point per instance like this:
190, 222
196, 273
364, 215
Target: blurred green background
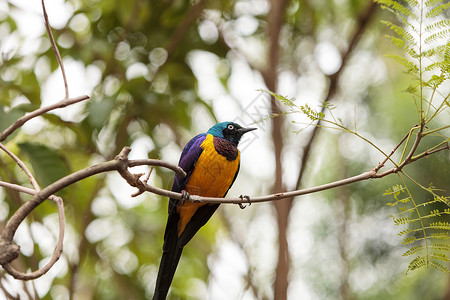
160, 72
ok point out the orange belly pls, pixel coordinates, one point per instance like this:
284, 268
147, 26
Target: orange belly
212, 177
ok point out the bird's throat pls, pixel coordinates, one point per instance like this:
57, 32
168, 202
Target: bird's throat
226, 148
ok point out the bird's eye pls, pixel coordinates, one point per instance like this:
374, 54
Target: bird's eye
230, 126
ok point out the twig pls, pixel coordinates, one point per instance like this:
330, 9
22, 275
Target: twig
363, 21
55, 49
22, 166
17, 124
381, 164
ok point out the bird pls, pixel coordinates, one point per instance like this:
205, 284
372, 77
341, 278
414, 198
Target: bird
211, 162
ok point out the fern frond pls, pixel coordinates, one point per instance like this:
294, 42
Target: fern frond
402, 220
409, 65
398, 42
438, 25
439, 266
399, 9
440, 236
426, 49
440, 256
440, 225
311, 113
433, 66
416, 263
436, 11
430, 3
409, 240
401, 32
443, 34
442, 247
404, 232
413, 250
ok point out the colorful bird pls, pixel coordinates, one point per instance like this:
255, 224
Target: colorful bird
211, 161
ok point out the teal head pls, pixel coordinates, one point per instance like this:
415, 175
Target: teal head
229, 131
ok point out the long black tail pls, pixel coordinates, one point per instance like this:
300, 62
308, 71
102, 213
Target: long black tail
173, 245
167, 267
170, 257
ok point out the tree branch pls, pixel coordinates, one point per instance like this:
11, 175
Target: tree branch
22, 166
56, 253
17, 124
363, 21
55, 49
120, 163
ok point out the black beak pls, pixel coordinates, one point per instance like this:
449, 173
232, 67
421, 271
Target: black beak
245, 130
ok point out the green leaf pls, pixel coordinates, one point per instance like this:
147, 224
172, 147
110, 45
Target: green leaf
100, 112
47, 164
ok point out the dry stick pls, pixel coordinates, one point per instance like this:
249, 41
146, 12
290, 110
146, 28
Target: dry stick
17, 124
22, 166
55, 49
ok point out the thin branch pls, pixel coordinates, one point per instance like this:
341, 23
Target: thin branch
363, 21
429, 152
407, 160
56, 253
55, 49
381, 164
120, 163
22, 166
17, 124
17, 188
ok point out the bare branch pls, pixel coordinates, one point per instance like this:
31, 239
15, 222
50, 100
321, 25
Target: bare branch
55, 49
22, 166
56, 253
121, 164
363, 21
17, 124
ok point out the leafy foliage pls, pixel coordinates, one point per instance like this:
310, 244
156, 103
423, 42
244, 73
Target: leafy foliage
428, 240
424, 37
425, 57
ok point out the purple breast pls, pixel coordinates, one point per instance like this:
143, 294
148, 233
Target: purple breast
226, 148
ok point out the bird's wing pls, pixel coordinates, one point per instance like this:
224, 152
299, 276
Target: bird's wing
188, 158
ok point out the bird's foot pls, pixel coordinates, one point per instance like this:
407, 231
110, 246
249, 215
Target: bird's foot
184, 197
242, 206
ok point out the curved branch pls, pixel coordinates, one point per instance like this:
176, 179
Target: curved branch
17, 124
22, 166
56, 253
120, 163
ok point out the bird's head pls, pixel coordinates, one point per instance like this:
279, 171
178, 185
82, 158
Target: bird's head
229, 131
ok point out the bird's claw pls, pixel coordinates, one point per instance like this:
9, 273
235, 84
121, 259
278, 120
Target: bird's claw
184, 197
242, 206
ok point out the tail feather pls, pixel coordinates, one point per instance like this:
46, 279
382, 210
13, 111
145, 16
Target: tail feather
167, 267
170, 257
173, 245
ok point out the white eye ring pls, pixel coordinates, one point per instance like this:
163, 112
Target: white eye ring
230, 126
